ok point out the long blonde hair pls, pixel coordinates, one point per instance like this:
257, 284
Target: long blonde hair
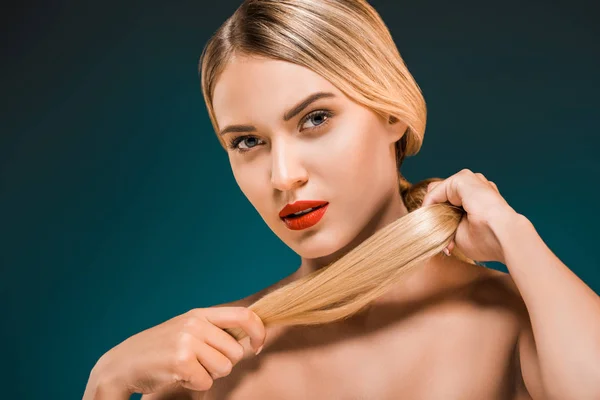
347, 43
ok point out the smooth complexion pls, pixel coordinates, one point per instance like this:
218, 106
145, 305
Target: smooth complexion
333, 150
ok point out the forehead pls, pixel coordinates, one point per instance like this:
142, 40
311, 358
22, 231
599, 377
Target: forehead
250, 88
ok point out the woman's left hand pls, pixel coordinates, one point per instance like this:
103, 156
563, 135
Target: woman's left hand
484, 207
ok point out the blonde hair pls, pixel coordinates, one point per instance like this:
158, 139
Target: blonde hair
347, 43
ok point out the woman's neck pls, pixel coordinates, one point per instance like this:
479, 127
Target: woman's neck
393, 209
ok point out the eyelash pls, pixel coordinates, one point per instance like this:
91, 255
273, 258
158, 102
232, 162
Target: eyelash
233, 143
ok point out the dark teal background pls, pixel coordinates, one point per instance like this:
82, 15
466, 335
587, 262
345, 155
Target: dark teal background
118, 206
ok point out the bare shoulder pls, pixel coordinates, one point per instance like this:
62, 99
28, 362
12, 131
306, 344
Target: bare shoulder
485, 286
497, 288
491, 297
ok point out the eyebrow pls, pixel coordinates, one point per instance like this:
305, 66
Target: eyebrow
286, 117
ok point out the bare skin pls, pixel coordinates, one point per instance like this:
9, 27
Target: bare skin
449, 330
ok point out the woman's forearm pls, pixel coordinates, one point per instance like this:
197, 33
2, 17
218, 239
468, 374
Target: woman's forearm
564, 313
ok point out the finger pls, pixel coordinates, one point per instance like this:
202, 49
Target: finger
195, 377
431, 185
215, 362
494, 186
481, 177
431, 197
238, 317
446, 191
224, 343
485, 180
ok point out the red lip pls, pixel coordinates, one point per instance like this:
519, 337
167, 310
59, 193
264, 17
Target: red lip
307, 220
300, 205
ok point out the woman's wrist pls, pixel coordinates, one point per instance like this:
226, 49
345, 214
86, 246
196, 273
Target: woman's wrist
101, 386
110, 391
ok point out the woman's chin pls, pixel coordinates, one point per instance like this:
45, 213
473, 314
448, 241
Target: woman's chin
320, 244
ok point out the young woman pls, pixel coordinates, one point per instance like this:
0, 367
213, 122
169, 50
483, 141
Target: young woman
316, 110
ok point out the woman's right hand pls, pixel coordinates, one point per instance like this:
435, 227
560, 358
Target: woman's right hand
189, 350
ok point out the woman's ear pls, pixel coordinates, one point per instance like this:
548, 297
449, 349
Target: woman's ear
396, 127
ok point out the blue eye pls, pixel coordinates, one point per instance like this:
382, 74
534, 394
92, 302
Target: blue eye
315, 114
233, 143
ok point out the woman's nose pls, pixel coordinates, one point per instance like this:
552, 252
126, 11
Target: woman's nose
287, 170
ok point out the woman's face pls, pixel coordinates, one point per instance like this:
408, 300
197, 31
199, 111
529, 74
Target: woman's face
333, 150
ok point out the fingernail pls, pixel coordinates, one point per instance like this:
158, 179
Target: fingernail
259, 349
446, 251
